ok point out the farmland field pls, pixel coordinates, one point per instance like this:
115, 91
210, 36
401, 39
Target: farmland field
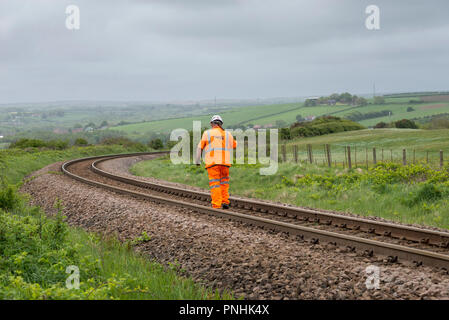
269, 114
241, 115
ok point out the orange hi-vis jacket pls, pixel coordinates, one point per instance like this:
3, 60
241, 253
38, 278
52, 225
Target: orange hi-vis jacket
217, 145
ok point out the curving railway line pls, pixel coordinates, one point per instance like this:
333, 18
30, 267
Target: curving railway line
394, 241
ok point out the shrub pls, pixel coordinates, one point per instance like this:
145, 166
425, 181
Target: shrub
410, 109
35, 143
405, 124
127, 143
321, 126
381, 125
426, 192
81, 142
286, 134
156, 144
358, 116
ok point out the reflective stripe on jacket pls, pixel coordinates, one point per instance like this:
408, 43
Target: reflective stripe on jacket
217, 145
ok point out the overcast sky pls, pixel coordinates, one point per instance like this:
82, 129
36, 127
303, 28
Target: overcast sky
198, 49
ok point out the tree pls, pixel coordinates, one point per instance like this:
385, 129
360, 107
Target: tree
81, 142
360, 101
104, 124
310, 103
156, 144
89, 125
405, 124
285, 134
299, 118
381, 125
379, 100
410, 109
345, 98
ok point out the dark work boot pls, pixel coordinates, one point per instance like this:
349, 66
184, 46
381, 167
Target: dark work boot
225, 206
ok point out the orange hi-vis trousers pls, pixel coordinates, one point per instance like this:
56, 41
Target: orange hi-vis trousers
219, 185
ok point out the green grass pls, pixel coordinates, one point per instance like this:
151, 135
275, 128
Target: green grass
119, 260
35, 250
373, 199
16, 164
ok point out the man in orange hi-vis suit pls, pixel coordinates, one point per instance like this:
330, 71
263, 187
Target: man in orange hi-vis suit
217, 145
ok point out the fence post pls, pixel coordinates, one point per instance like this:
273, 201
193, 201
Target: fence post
284, 155
355, 155
366, 157
391, 155
328, 153
349, 158
414, 156
427, 157
309, 149
404, 157
295, 150
374, 156
346, 154
441, 159
382, 154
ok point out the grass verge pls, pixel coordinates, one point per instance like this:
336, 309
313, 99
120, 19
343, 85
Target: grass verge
39, 255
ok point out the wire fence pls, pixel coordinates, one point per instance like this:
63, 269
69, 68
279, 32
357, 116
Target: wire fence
358, 157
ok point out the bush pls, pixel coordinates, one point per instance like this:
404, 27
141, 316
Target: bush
127, 143
156, 144
410, 109
427, 192
381, 125
286, 134
405, 124
35, 143
27, 143
358, 116
379, 100
321, 126
81, 142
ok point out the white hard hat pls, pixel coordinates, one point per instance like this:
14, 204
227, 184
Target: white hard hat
216, 118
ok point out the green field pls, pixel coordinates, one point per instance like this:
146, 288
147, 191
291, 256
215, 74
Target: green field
412, 194
239, 115
399, 111
269, 114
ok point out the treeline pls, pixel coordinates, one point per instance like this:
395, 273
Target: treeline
25, 143
320, 126
358, 116
400, 124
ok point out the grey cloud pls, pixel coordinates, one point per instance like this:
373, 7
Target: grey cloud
162, 49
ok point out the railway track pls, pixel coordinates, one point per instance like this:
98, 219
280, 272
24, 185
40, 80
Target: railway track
393, 241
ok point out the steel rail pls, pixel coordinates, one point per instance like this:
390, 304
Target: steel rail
393, 251
393, 230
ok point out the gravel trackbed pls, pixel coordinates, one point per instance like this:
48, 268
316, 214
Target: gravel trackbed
253, 263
